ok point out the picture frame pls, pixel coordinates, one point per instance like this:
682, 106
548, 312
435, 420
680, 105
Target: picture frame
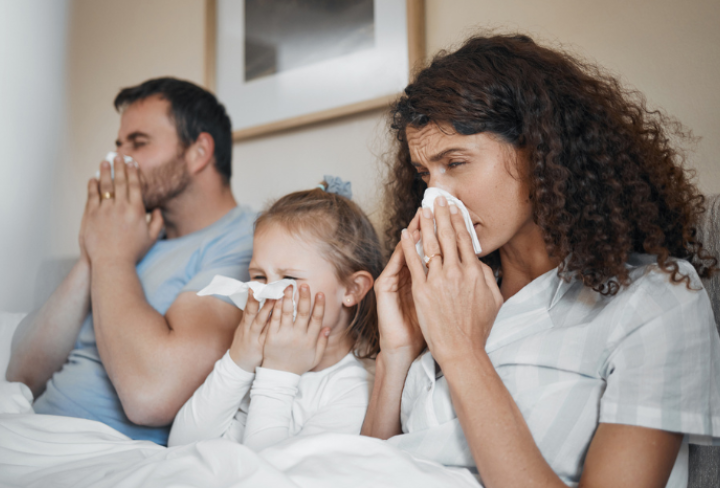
364, 67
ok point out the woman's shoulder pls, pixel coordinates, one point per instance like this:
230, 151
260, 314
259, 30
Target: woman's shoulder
647, 278
654, 299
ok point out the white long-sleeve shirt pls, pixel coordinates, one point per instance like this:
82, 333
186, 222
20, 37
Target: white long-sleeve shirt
263, 408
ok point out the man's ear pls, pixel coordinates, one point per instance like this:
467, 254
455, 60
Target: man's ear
200, 153
359, 283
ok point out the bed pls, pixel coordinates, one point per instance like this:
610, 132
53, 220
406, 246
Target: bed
48, 451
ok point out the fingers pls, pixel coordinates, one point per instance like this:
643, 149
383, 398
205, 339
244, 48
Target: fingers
133, 182
462, 237
276, 317
445, 232
106, 183
414, 224
412, 260
252, 306
317, 315
261, 319
431, 246
120, 181
304, 306
287, 308
491, 283
93, 199
396, 261
156, 224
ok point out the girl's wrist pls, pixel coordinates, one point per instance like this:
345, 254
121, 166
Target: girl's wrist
238, 357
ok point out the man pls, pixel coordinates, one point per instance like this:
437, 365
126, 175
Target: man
125, 339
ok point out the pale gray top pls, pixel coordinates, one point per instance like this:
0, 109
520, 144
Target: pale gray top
572, 358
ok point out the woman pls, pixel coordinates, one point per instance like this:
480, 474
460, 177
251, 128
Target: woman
580, 348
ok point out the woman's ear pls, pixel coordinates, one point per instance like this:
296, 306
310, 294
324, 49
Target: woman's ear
201, 153
359, 283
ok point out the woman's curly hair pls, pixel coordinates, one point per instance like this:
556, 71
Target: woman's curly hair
605, 180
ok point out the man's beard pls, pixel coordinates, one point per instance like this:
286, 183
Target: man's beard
165, 182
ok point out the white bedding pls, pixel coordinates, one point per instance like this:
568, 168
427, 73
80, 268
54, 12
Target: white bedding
49, 451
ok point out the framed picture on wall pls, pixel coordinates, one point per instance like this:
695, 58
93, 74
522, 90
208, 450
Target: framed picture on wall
279, 64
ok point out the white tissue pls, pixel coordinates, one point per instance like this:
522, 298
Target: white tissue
428, 202
237, 291
110, 158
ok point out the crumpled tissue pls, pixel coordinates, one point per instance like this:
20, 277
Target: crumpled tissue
110, 158
237, 290
428, 202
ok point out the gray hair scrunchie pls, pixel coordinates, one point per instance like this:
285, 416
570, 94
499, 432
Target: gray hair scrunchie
338, 186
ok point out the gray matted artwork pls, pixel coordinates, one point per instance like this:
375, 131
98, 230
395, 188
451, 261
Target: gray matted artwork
281, 35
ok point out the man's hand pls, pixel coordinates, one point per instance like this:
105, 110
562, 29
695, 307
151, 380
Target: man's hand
115, 226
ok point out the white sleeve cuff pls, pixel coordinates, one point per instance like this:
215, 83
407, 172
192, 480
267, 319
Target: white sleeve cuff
266, 377
229, 370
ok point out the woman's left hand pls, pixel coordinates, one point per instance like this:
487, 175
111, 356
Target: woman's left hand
458, 300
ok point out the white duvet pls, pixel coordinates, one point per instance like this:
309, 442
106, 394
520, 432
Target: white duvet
49, 451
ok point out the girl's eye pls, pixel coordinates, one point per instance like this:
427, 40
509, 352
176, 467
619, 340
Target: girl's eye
456, 164
257, 278
289, 278
421, 175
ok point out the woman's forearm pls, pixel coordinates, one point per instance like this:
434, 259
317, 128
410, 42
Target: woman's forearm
500, 441
383, 416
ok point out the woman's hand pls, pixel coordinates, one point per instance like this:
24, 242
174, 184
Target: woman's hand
249, 340
400, 335
296, 347
458, 300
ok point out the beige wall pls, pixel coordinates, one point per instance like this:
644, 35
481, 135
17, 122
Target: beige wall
670, 50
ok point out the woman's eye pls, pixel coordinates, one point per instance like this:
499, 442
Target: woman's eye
455, 164
289, 278
257, 278
137, 145
422, 175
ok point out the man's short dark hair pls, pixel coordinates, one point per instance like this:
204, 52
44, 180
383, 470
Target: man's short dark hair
193, 109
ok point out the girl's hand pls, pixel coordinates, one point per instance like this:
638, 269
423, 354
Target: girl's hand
458, 300
296, 347
400, 335
247, 345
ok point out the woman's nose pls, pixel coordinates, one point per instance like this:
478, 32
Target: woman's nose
438, 179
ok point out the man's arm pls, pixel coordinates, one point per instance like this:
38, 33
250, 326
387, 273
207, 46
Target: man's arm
156, 362
44, 339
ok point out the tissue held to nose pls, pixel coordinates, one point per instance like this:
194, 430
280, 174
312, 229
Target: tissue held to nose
237, 291
428, 202
110, 158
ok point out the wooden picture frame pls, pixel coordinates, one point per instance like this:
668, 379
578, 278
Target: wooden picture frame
231, 87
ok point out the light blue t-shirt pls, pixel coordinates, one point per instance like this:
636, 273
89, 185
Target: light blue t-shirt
82, 387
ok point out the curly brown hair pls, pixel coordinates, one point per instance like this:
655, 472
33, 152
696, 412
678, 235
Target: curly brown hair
605, 179
348, 241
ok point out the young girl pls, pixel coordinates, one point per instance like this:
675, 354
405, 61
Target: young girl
284, 378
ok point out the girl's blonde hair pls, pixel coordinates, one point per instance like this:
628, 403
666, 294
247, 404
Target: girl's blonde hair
348, 241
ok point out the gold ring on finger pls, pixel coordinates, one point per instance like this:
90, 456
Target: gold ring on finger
106, 195
427, 259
